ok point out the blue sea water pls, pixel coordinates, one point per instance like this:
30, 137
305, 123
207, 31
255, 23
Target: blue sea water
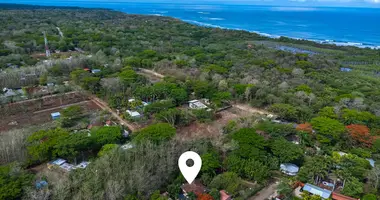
342, 26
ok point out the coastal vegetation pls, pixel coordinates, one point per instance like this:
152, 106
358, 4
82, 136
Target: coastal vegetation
325, 108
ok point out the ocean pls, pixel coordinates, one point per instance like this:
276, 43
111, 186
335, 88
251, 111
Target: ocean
342, 26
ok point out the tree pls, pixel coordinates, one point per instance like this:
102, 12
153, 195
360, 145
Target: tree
128, 76
353, 188
158, 106
13, 181
361, 134
215, 194
356, 117
203, 115
174, 117
70, 116
327, 129
251, 145
328, 112
106, 135
286, 151
369, 197
106, 149
285, 111
210, 163
284, 188
307, 196
219, 97
41, 144
228, 181
155, 133
315, 169
179, 95
70, 145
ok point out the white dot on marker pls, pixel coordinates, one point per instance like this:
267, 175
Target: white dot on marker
190, 173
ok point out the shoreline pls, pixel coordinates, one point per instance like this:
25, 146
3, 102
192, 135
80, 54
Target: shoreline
320, 41
204, 24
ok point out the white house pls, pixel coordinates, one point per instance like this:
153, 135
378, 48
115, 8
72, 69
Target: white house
134, 114
196, 104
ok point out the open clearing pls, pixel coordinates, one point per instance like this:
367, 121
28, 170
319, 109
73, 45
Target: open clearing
24, 119
212, 129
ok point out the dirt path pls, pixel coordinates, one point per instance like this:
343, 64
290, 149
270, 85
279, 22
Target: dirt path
59, 107
151, 72
105, 106
266, 192
252, 110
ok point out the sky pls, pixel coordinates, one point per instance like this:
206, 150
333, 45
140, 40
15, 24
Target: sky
302, 3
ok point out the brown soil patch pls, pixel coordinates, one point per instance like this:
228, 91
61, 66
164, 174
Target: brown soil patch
213, 129
25, 119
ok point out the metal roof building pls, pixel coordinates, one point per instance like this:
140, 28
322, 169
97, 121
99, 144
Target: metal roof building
312, 189
289, 169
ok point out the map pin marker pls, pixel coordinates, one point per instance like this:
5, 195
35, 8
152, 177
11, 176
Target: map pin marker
190, 173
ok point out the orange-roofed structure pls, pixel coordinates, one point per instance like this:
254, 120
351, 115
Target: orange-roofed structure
337, 196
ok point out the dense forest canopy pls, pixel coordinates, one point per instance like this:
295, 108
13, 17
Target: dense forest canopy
325, 96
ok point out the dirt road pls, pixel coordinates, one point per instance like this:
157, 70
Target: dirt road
150, 72
105, 106
267, 192
252, 110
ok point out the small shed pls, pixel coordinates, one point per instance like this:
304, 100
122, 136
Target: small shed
55, 115
289, 169
59, 161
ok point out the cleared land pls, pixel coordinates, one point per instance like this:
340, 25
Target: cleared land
38, 111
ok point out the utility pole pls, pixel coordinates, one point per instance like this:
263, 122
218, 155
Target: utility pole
46, 45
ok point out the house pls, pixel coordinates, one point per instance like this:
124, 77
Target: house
134, 114
345, 69
196, 187
289, 169
224, 195
66, 166
315, 190
82, 165
94, 71
57, 162
55, 115
196, 104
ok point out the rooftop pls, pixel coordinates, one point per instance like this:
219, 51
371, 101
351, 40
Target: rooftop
325, 194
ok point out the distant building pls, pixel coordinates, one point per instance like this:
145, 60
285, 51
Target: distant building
196, 187
94, 71
196, 104
289, 169
345, 69
315, 190
134, 114
55, 115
